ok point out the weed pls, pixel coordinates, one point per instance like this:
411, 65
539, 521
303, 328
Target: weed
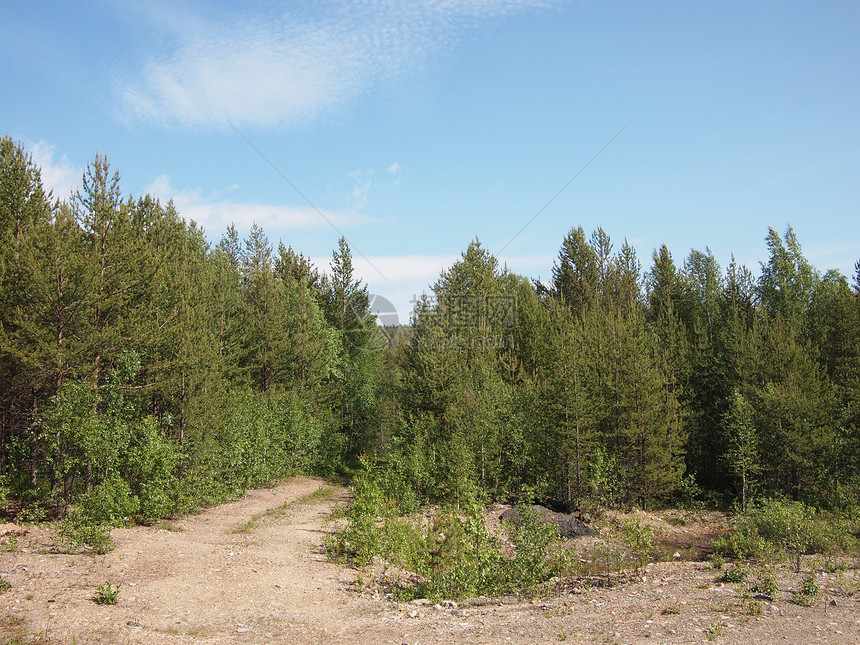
808, 592
765, 582
639, 539
735, 573
77, 534
714, 630
10, 545
4, 585
717, 561
106, 594
170, 526
672, 610
754, 608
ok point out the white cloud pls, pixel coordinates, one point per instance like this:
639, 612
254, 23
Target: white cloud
60, 176
393, 168
277, 70
215, 214
363, 181
401, 279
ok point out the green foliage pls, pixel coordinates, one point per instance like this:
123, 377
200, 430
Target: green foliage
144, 373
465, 559
454, 553
638, 539
106, 594
743, 542
714, 630
77, 534
765, 582
735, 573
538, 552
788, 525
808, 592
741, 455
4, 585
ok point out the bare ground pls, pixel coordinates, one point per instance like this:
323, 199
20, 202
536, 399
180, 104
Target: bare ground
253, 571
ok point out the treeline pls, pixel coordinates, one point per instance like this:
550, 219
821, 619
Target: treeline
144, 372
613, 384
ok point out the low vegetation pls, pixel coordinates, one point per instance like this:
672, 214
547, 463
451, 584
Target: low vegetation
106, 594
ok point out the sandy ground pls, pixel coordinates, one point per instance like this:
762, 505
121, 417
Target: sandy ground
254, 571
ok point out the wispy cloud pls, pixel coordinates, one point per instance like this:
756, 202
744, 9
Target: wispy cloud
280, 69
60, 176
363, 181
215, 213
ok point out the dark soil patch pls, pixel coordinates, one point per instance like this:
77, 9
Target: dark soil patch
568, 525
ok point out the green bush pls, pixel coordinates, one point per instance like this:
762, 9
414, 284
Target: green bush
639, 540
454, 553
743, 542
786, 525
538, 554
111, 503
793, 526
465, 560
77, 535
735, 573
106, 594
765, 582
808, 592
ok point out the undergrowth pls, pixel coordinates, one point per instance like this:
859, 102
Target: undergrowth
451, 554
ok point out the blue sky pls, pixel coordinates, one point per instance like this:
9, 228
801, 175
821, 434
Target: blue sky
414, 127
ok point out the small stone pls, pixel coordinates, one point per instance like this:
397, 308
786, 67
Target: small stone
414, 613
449, 604
832, 603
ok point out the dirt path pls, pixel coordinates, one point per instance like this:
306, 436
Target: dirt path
253, 571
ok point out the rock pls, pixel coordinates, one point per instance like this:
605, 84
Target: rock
568, 525
449, 604
414, 613
420, 602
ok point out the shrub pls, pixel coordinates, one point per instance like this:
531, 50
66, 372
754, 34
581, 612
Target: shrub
793, 526
808, 592
106, 594
639, 539
110, 503
735, 573
742, 543
765, 582
76, 535
454, 553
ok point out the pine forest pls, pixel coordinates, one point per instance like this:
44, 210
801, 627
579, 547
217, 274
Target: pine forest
145, 372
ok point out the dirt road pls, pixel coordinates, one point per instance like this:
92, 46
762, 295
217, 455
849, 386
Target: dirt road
253, 571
